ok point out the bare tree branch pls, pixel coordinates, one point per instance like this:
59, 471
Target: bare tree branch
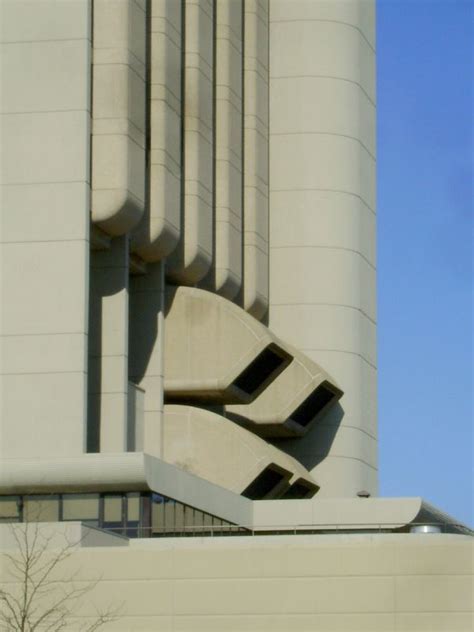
40, 598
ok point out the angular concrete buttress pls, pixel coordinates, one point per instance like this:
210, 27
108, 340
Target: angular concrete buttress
212, 447
214, 351
118, 115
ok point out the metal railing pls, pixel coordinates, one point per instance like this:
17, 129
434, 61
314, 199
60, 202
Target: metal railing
302, 529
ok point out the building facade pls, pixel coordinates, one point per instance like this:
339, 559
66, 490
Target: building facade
188, 271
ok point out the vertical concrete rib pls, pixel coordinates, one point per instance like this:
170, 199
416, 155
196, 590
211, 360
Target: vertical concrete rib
159, 231
228, 146
192, 258
322, 256
108, 348
255, 295
146, 346
118, 132
45, 215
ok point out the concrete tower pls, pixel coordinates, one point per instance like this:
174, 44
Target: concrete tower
187, 322
322, 221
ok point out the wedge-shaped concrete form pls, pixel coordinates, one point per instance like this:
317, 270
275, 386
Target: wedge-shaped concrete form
298, 397
205, 444
215, 352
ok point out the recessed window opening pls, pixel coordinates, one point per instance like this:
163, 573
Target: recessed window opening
264, 484
262, 370
313, 405
300, 490
133, 514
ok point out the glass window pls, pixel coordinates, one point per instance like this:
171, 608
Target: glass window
113, 509
169, 514
158, 513
41, 508
80, 506
133, 507
198, 520
179, 516
9, 507
189, 518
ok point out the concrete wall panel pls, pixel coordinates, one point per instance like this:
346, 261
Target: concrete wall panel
358, 15
48, 20
324, 582
352, 58
45, 60
345, 222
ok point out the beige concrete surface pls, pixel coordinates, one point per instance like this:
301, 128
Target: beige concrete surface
108, 348
228, 147
322, 168
45, 124
209, 343
118, 115
159, 231
146, 350
212, 447
339, 583
192, 258
256, 177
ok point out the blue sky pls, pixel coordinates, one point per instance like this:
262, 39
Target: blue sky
425, 240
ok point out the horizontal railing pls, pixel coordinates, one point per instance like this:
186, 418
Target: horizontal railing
301, 529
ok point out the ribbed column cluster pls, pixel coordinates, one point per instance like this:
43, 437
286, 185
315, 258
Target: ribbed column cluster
179, 169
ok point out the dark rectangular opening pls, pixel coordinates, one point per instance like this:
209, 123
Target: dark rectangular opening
265, 482
313, 405
262, 370
300, 490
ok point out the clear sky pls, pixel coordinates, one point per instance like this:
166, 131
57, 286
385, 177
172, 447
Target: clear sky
425, 240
